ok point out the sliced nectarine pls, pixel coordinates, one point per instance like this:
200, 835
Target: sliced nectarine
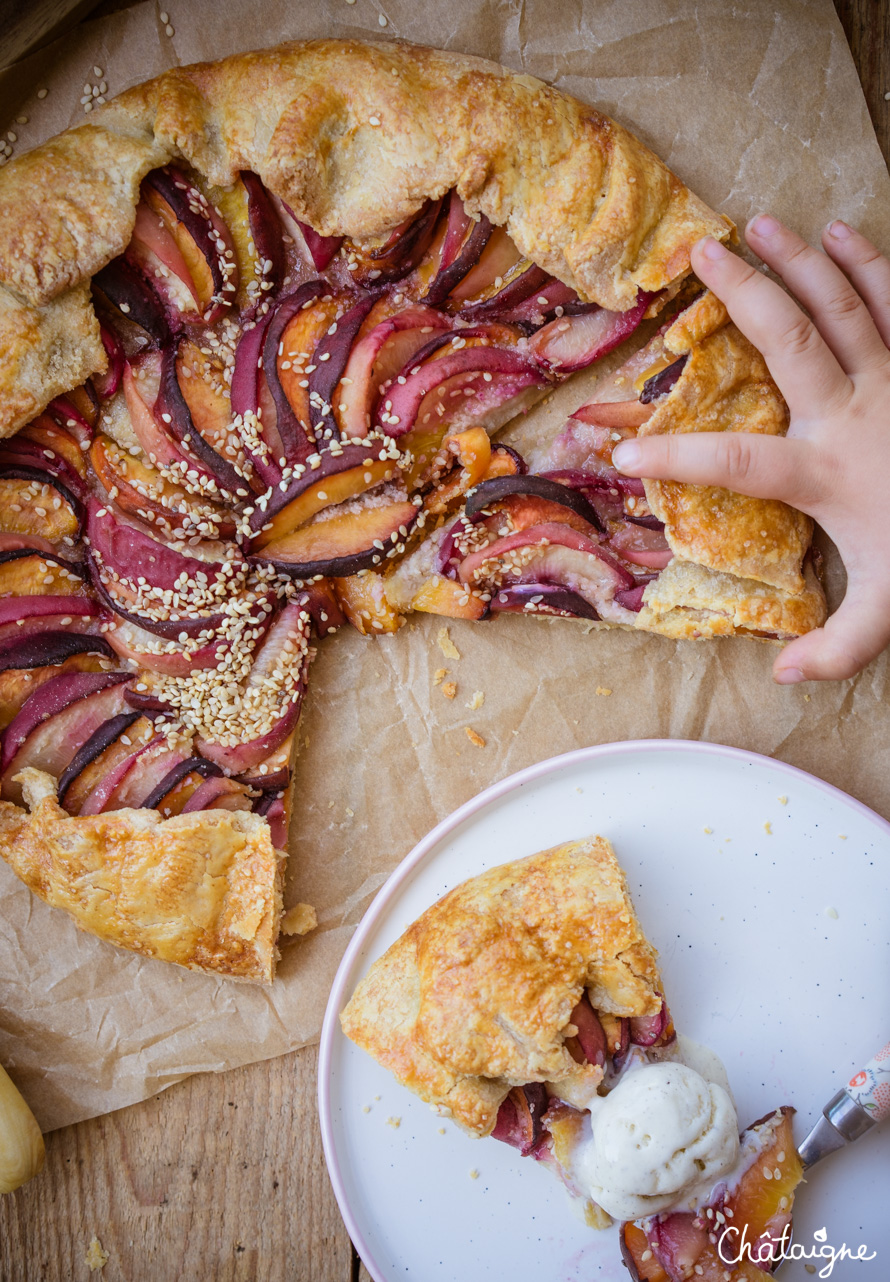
298, 343
343, 545
17, 684
46, 433
454, 600
363, 600
469, 453
30, 507
33, 574
329, 490
206, 393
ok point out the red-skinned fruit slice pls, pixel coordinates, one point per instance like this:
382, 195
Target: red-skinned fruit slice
122, 601
175, 415
48, 464
18, 684
519, 1121
320, 600
293, 428
498, 261
55, 721
321, 249
141, 384
219, 793
266, 233
377, 358
28, 505
330, 358
144, 493
460, 464
590, 1039
343, 545
642, 546
197, 768
338, 477
494, 377
24, 572
488, 493
465, 241
200, 235
542, 536
574, 342
638, 1255
130, 306
136, 777
155, 254
252, 403
98, 776
541, 305
543, 598
23, 616
363, 598
280, 649
146, 649
81, 403
45, 648
453, 600
663, 382
505, 461
99, 740
618, 414
274, 811
274, 773
107, 384
400, 252
520, 283
57, 443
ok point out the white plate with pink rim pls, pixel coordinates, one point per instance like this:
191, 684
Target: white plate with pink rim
765, 891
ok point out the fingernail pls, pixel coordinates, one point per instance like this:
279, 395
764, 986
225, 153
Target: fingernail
626, 456
708, 247
788, 676
763, 225
839, 230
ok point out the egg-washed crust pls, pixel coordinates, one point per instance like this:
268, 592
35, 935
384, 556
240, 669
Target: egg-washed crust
202, 890
578, 193
725, 386
476, 995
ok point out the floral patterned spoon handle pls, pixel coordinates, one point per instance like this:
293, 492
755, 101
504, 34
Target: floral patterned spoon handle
863, 1102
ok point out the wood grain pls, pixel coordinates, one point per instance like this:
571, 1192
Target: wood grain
223, 1178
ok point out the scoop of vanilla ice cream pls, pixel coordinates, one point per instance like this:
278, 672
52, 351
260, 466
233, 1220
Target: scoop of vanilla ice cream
662, 1138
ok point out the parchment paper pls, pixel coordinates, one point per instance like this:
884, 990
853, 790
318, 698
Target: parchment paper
755, 107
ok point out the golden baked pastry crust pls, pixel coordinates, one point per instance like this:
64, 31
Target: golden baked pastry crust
202, 890
725, 386
578, 193
476, 996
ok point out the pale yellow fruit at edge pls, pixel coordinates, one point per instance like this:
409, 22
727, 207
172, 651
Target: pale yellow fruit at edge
21, 1144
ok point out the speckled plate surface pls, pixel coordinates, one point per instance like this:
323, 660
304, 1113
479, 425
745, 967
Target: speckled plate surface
766, 893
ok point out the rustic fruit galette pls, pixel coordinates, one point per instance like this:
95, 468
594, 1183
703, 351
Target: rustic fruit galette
260, 321
526, 1005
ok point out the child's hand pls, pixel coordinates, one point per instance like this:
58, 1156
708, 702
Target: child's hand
834, 464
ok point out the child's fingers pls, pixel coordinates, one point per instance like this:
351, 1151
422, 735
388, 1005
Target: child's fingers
798, 357
841, 316
854, 635
767, 467
867, 268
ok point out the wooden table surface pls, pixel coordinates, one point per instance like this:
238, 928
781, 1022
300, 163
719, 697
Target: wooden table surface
222, 1178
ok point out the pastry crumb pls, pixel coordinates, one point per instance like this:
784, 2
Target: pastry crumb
768, 828
474, 1174
842, 836
708, 831
350, 812
449, 689
299, 920
442, 1130
394, 1122
783, 801
475, 739
366, 1108
806, 698
96, 1256
476, 701
603, 690
440, 675
446, 645
832, 913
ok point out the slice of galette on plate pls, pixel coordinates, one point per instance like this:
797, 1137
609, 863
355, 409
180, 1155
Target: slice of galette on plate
260, 319
526, 1005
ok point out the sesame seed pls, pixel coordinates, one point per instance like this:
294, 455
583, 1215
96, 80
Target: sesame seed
382, 20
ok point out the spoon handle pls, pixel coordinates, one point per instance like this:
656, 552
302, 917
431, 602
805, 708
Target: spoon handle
863, 1102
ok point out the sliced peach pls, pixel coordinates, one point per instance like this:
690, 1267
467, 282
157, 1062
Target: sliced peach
206, 393
84, 403
46, 433
17, 684
363, 600
499, 257
503, 462
27, 507
343, 545
135, 736
298, 343
328, 491
760, 1202
470, 454
141, 489
638, 1256
36, 575
454, 600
